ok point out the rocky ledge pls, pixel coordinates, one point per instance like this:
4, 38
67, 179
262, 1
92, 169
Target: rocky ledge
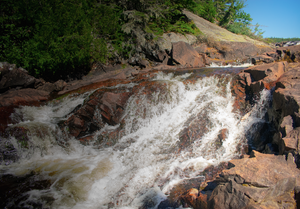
268, 177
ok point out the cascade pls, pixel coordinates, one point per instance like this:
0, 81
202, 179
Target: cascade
170, 132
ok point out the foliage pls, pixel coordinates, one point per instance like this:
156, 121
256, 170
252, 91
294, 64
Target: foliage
277, 40
55, 38
61, 38
204, 8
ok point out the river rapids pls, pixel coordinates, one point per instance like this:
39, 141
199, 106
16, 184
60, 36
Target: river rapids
144, 163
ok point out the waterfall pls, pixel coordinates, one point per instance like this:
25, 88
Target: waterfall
170, 134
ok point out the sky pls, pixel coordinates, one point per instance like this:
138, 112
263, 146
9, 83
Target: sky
278, 18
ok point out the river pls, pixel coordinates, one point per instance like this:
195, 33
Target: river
54, 170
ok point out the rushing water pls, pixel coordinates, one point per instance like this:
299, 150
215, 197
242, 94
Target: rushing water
147, 160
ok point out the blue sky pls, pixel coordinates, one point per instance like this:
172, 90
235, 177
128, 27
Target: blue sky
279, 18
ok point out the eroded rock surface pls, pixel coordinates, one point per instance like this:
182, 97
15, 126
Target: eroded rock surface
261, 181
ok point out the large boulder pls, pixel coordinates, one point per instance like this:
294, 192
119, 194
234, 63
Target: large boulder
16, 78
261, 181
185, 55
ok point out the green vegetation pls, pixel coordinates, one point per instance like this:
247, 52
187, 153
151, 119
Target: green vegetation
62, 38
277, 40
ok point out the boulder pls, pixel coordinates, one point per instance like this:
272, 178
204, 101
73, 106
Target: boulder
261, 181
185, 55
16, 78
262, 59
50, 87
23, 97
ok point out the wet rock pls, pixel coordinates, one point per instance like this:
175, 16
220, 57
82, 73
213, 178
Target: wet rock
23, 97
102, 107
195, 199
112, 106
261, 181
14, 190
239, 88
185, 55
16, 78
97, 79
262, 59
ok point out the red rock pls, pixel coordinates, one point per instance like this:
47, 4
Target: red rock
190, 197
265, 75
201, 49
240, 50
261, 181
185, 55
262, 59
84, 121
23, 97
286, 98
223, 134
267, 72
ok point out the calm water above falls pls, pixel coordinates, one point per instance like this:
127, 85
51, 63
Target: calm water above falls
146, 162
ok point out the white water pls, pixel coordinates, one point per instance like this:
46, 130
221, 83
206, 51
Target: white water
145, 163
213, 65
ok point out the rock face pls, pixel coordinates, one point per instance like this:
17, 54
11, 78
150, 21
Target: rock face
261, 181
185, 55
285, 112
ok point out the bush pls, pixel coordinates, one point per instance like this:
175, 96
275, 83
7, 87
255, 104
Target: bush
58, 38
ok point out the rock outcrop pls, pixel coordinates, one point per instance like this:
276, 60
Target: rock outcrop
291, 53
23, 97
261, 181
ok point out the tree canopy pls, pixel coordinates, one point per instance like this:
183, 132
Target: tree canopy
63, 37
